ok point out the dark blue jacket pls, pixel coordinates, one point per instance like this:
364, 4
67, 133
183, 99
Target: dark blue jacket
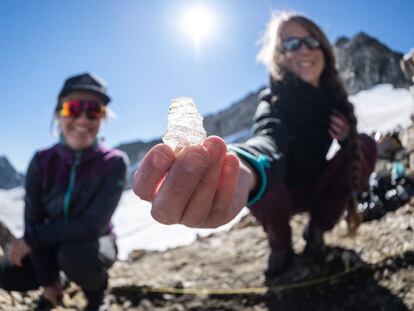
291, 132
70, 195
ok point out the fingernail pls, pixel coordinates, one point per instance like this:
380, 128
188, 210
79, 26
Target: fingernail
193, 162
160, 160
214, 149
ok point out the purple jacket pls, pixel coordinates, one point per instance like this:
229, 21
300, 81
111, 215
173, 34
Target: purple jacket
70, 195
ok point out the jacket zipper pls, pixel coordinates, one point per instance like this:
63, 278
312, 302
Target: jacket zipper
69, 191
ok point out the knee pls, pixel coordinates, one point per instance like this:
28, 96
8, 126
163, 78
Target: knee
80, 262
369, 158
368, 148
2, 273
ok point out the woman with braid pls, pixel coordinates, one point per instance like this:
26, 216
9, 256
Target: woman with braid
282, 170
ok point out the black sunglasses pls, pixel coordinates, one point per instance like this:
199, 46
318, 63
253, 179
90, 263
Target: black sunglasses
292, 44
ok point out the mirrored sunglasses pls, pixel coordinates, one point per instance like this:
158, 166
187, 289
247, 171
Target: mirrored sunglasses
293, 44
73, 109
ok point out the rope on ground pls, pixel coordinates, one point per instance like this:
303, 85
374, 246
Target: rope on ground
251, 290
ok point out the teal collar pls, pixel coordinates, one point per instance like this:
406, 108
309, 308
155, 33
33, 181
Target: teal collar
63, 142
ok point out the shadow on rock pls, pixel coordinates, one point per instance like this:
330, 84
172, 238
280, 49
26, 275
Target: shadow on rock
342, 282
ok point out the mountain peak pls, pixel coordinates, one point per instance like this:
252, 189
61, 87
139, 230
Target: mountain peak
9, 177
363, 62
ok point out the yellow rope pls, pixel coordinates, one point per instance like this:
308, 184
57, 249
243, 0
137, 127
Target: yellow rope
250, 290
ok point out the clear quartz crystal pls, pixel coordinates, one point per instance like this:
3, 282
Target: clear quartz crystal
185, 124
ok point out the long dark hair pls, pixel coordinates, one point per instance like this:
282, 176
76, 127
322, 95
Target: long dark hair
271, 55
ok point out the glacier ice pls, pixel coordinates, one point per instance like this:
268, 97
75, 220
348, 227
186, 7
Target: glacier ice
185, 124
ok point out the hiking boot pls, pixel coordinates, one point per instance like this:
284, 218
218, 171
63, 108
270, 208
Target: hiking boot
44, 304
96, 299
278, 262
315, 244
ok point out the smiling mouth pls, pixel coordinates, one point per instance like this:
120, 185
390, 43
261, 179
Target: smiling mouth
80, 129
306, 64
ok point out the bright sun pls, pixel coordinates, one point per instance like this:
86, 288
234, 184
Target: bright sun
197, 23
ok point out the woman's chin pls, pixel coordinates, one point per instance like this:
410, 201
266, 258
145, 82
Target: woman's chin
79, 144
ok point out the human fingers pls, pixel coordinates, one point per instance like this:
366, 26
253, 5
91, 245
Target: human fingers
15, 258
176, 190
339, 114
11, 253
337, 120
201, 201
226, 204
152, 170
339, 135
341, 118
337, 129
339, 126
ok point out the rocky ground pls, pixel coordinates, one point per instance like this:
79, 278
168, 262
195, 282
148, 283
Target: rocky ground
373, 271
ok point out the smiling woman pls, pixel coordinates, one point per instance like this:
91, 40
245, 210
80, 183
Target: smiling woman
197, 23
83, 181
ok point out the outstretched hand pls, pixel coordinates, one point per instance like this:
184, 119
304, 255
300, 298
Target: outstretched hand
200, 187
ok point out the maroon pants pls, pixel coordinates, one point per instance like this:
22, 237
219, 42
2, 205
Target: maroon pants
325, 200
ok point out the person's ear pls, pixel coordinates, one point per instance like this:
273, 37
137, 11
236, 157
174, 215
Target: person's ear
58, 120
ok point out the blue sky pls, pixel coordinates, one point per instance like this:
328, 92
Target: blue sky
139, 48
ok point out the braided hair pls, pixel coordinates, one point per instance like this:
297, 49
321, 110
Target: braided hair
272, 56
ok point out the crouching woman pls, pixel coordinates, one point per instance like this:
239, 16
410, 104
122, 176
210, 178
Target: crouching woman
72, 190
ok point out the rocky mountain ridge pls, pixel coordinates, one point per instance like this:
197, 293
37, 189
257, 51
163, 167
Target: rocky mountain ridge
9, 177
364, 62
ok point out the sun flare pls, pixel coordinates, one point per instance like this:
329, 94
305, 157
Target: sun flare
197, 23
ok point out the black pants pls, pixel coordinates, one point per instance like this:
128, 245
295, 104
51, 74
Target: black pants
83, 262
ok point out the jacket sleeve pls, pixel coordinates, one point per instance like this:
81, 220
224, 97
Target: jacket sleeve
94, 221
266, 150
33, 212
43, 263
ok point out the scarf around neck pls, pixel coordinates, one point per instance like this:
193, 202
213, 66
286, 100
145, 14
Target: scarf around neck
304, 105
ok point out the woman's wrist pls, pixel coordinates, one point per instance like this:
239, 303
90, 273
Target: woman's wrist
248, 175
254, 167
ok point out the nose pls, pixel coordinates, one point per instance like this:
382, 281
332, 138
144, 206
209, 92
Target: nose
82, 118
303, 48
